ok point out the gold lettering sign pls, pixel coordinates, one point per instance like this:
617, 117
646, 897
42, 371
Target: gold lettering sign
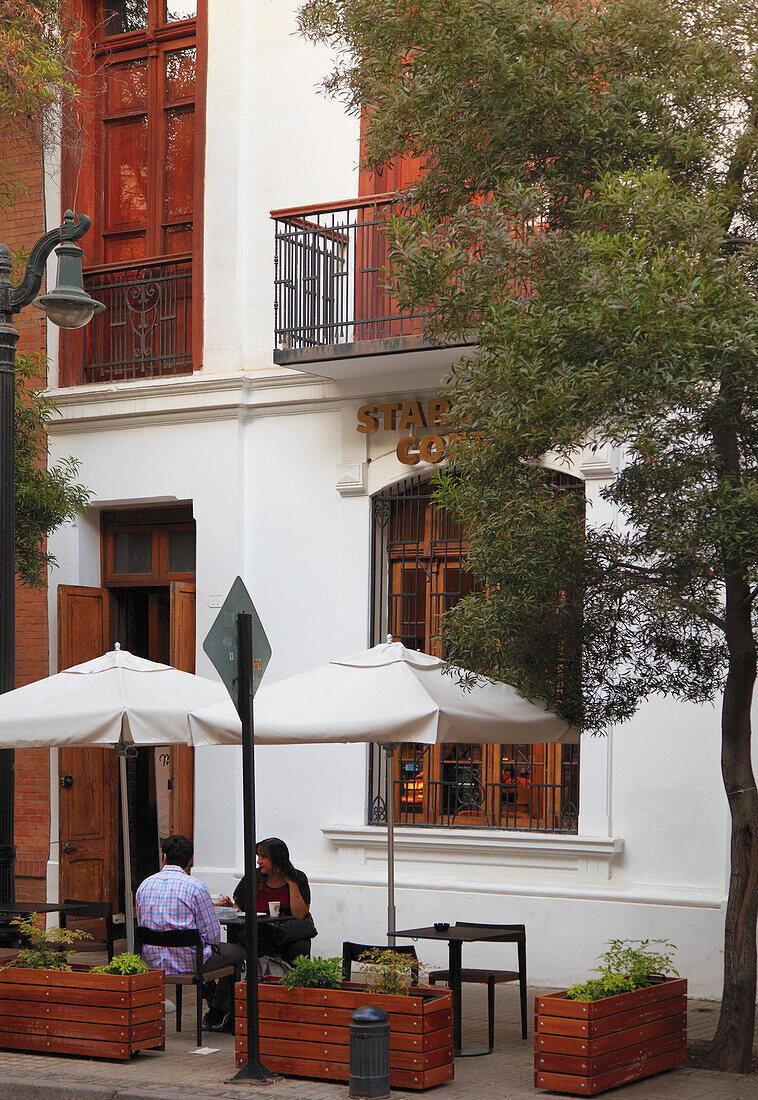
416, 417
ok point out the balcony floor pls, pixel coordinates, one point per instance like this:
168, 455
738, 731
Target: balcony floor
358, 360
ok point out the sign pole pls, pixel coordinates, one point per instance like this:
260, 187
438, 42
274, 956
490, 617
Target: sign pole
252, 1070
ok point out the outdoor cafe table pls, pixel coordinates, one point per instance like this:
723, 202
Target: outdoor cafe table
24, 908
235, 924
10, 909
456, 935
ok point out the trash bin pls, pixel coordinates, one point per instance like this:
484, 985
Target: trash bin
369, 1053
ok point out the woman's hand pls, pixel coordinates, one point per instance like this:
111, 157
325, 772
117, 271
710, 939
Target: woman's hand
298, 906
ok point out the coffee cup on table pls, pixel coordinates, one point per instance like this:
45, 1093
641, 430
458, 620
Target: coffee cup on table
274, 908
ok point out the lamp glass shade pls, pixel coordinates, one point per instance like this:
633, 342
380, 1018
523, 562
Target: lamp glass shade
66, 314
69, 305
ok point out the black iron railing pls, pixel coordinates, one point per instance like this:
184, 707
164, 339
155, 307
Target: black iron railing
146, 329
332, 275
534, 788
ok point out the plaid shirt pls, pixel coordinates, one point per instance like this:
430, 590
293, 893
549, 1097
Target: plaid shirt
172, 899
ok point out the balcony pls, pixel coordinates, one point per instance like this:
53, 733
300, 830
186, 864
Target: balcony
334, 308
146, 329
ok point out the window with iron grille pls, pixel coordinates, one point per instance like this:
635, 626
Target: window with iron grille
418, 573
142, 179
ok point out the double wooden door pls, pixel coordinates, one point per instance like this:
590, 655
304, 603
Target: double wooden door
88, 778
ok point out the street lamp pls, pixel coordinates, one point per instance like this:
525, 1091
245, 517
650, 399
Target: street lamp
69, 306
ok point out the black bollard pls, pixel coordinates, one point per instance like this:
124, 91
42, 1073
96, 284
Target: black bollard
369, 1053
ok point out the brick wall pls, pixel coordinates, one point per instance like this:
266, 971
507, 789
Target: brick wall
19, 228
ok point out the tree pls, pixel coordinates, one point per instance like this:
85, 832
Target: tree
46, 496
37, 42
612, 277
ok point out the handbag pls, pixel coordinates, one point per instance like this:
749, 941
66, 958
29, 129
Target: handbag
272, 968
289, 930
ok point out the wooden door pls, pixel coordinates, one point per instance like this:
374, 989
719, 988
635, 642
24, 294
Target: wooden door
377, 313
181, 797
88, 796
398, 175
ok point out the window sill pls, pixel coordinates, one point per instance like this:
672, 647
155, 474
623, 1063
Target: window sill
485, 852
499, 863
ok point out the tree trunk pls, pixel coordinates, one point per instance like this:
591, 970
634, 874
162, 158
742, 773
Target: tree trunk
732, 1046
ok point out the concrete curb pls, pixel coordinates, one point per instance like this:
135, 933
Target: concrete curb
17, 1086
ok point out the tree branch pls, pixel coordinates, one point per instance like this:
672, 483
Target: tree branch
707, 616
740, 162
646, 575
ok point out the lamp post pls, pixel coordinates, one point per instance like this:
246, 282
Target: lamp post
68, 306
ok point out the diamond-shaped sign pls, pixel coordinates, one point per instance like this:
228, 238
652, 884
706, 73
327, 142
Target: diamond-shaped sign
221, 641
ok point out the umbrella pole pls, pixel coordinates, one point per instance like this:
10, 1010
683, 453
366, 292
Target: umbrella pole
389, 798
128, 897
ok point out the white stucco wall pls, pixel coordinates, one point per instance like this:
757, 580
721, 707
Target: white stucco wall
271, 143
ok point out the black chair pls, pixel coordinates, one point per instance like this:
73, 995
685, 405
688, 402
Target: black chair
352, 952
91, 911
512, 933
149, 937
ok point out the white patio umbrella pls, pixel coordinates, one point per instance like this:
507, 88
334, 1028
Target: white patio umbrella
390, 694
123, 700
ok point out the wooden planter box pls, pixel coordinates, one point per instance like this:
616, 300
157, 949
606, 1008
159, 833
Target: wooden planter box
304, 1032
72, 1012
584, 1048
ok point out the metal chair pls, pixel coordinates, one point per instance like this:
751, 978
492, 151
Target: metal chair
149, 937
512, 933
352, 952
88, 911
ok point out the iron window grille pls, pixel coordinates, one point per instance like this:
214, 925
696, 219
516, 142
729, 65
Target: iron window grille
418, 572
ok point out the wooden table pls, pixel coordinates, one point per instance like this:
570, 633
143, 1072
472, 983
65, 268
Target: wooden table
456, 935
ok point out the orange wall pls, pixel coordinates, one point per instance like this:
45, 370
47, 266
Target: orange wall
20, 227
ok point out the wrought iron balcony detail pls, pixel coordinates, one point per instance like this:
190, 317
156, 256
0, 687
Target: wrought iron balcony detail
146, 329
332, 281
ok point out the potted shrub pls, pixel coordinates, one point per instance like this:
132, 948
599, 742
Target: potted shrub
305, 1015
107, 1012
628, 1023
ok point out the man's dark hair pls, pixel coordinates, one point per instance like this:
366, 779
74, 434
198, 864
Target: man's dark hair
178, 850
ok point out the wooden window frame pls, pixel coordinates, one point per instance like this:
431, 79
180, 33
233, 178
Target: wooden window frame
82, 172
160, 525
152, 46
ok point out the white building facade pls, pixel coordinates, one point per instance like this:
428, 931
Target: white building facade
260, 453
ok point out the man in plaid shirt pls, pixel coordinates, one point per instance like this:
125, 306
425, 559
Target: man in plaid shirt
174, 900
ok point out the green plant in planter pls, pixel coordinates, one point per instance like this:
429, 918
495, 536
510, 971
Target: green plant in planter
388, 971
314, 973
125, 963
626, 965
46, 946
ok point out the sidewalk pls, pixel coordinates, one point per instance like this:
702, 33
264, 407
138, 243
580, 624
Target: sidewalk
507, 1074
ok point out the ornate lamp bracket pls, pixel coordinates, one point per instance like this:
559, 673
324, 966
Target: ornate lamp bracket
13, 299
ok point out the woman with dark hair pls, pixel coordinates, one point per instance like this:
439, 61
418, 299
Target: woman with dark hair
278, 881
